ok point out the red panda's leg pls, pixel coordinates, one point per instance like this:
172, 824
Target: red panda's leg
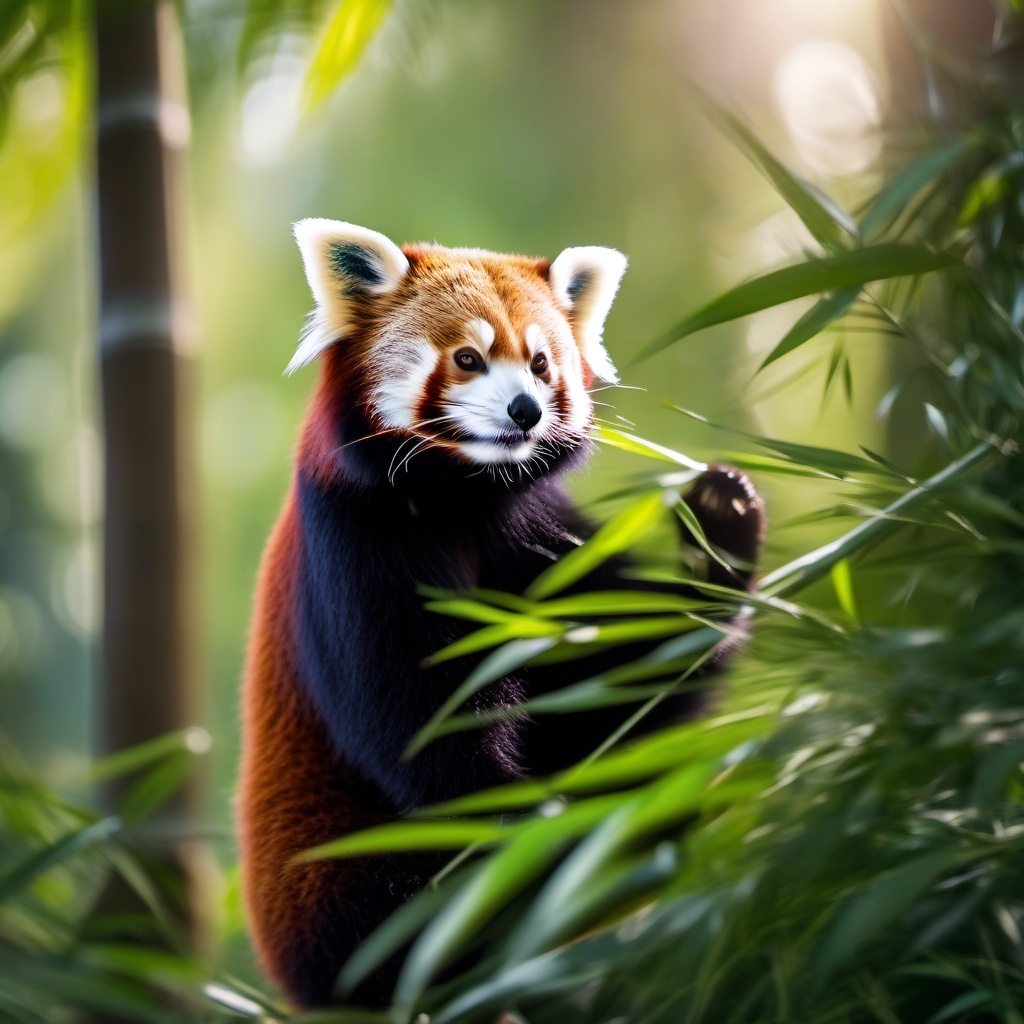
315, 915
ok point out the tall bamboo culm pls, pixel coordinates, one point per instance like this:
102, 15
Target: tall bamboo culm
147, 687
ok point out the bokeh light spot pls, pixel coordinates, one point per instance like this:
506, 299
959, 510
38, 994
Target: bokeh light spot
829, 103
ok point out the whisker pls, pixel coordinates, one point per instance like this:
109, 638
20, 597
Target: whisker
424, 442
624, 387
369, 437
391, 475
418, 425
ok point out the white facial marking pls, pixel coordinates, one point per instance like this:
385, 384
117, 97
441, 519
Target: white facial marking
481, 333
488, 454
534, 339
402, 375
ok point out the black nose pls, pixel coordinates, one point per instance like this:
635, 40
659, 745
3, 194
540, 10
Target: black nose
524, 411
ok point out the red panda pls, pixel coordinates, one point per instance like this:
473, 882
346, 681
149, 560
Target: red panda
453, 392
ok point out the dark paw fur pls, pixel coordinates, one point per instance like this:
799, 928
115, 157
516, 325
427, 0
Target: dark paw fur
732, 516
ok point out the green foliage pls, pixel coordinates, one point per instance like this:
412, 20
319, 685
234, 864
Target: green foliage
67, 947
846, 270
345, 35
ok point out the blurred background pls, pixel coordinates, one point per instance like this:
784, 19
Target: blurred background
522, 127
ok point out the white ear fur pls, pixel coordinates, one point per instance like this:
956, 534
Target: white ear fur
585, 280
342, 262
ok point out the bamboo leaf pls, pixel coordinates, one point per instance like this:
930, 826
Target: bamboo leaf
829, 224
499, 663
669, 801
844, 465
23, 874
630, 630
615, 893
990, 188
613, 602
396, 932
893, 199
755, 599
692, 523
474, 611
802, 458
124, 762
500, 878
842, 583
606, 899
870, 910
542, 978
620, 532
831, 273
822, 314
239, 998
967, 1001
885, 464
590, 696
508, 602
637, 762
407, 834
511, 796
804, 570
155, 788
770, 464
639, 446
153, 965
344, 36
494, 636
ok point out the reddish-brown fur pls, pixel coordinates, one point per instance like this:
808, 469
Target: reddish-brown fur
293, 793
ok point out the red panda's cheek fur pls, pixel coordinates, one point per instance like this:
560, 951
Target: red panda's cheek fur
561, 401
333, 398
342, 390
433, 393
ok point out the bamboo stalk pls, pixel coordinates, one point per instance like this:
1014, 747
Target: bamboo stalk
147, 689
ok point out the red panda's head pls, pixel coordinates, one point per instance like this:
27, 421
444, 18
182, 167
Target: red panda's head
486, 358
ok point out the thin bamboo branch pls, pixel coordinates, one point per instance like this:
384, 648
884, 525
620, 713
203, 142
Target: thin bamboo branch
802, 571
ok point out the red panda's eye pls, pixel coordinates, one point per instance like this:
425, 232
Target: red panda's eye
540, 363
468, 360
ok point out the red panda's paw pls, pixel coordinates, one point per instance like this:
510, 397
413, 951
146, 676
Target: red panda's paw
732, 516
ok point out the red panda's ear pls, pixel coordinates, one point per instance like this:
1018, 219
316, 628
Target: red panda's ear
585, 280
344, 264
